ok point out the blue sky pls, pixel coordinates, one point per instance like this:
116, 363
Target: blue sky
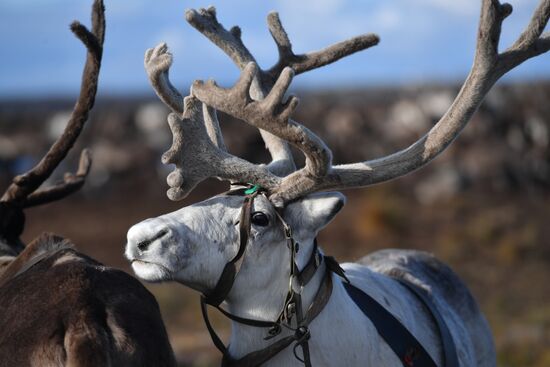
421, 41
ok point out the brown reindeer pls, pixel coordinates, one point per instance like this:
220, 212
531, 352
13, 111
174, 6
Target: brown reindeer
59, 307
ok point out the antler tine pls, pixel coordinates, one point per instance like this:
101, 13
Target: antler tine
24, 185
197, 157
230, 42
205, 21
213, 127
306, 62
535, 28
157, 64
71, 183
532, 42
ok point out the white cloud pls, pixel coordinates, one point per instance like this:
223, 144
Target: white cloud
127, 8
174, 37
22, 4
470, 7
455, 7
318, 8
385, 18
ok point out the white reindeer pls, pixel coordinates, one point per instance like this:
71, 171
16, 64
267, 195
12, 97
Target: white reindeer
238, 248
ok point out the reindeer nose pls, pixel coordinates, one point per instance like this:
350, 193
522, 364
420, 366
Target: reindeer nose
144, 245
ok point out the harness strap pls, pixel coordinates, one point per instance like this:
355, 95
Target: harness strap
302, 332
293, 302
407, 348
245, 321
450, 355
213, 335
220, 292
259, 357
311, 267
335, 267
299, 337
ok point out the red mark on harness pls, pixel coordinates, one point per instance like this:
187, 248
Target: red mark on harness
410, 357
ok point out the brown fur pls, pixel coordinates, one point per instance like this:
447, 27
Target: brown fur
42, 245
69, 310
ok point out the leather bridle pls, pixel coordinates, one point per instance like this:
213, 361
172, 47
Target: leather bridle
220, 292
292, 309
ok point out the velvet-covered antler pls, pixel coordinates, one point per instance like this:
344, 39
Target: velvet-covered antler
197, 157
158, 61
271, 114
23, 191
318, 174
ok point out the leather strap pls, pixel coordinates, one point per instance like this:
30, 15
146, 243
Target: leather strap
220, 292
276, 324
213, 335
257, 358
311, 267
450, 355
395, 334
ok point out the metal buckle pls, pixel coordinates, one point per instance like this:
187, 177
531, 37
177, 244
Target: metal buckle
273, 332
290, 309
288, 231
317, 259
302, 334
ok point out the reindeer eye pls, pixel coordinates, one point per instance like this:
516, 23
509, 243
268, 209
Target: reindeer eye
260, 219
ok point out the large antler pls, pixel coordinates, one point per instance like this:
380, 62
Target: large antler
158, 61
197, 156
22, 192
274, 116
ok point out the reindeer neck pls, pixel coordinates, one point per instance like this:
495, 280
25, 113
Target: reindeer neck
266, 304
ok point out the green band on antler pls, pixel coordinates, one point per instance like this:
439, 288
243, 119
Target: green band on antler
253, 189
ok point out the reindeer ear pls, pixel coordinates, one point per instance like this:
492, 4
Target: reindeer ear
311, 213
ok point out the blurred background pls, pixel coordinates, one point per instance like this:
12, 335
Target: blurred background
483, 206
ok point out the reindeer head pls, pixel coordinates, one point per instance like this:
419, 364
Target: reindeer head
194, 244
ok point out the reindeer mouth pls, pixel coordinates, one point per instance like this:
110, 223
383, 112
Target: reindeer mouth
150, 271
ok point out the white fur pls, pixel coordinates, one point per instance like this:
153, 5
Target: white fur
203, 237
